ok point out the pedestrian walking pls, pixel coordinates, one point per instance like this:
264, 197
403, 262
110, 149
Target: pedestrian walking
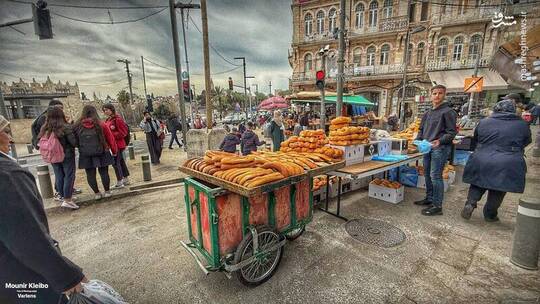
40, 121
497, 165
250, 140
198, 123
119, 129
154, 135
535, 112
58, 144
304, 121
230, 141
28, 253
174, 125
438, 126
97, 149
276, 130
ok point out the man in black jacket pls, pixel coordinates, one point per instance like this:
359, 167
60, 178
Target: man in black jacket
32, 269
40, 121
174, 125
438, 126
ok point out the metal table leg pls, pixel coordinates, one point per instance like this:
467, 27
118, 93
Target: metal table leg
338, 200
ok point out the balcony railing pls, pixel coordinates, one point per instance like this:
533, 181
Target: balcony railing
385, 25
478, 14
354, 71
326, 35
466, 63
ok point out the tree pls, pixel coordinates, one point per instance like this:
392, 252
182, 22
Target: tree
162, 112
219, 99
123, 99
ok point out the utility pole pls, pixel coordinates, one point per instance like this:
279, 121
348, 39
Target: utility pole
270, 85
404, 80
323, 97
144, 77
127, 62
174, 27
341, 58
245, 86
206, 56
472, 98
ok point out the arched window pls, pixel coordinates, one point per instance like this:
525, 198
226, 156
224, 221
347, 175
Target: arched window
458, 48
442, 49
308, 24
307, 63
409, 53
357, 56
370, 59
320, 22
385, 53
373, 12
332, 19
359, 11
474, 46
420, 54
387, 8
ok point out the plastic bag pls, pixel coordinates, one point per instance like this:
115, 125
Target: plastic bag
97, 292
424, 146
408, 176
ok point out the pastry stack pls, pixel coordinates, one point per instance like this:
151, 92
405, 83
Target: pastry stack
308, 141
341, 134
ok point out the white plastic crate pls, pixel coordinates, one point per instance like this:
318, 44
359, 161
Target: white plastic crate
360, 183
384, 147
386, 194
370, 150
399, 146
352, 154
346, 186
422, 183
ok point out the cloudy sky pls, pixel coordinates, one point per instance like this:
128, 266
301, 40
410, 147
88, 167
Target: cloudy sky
259, 30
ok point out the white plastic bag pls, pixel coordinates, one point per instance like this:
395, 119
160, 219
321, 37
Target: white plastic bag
98, 292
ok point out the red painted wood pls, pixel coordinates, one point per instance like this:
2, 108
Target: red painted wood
191, 192
302, 200
194, 228
258, 210
205, 222
283, 207
229, 209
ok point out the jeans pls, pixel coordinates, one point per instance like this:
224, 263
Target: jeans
434, 162
494, 200
92, 181
120, 167
64, 175
174, 137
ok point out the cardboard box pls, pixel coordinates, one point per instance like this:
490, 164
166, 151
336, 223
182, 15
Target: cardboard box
352, 154
399, 146
360, 183
370, 150
386, 194
422, 183
384, 147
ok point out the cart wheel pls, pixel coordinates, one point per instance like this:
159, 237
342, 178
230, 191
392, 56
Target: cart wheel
296, 233
263, 267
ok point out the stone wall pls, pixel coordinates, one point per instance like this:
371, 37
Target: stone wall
21, 130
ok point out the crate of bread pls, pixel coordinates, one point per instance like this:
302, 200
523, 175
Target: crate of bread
386, 190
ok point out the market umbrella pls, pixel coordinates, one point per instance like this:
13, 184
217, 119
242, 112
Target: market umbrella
273, 103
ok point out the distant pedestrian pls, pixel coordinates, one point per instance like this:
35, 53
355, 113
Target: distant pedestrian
535, 112
438, 126
120, 131
97, 149
304, 121
28, 253
174, 125
230, 142
56, 129
250, 140
198, 123
153, 132
40, 121
277, 130
241, 128
497, 165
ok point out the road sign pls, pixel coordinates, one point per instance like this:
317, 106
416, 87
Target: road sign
185, 75
473, 84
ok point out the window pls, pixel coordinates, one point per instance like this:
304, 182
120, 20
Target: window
420, 54
359, 15
308, 24
307, 63
332, 20
385, 53
458, 48
412, 13
320, 22
474, 46
424, 11
387, 8
357, 57
370, 60
442, 49
373, 11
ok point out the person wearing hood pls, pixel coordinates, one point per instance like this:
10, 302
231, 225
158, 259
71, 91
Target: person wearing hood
97, 149
230, 141
276, 130
497, 165
119, 129
438, 126
153, 132
38, 123
28, 253
250, 140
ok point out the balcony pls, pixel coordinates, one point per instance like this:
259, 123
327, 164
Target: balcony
326, 35
473, 15
384, 26
466, 63
352, 72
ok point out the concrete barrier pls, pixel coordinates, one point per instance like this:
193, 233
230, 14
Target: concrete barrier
196, 142
215, 137
147, 173
526, 245
45, 184
30, 148
131, 151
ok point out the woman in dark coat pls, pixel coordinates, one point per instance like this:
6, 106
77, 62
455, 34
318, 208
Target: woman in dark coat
276, 130
497, 164
153, 133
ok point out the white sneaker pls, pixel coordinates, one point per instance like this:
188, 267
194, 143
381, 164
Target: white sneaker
107, 194
119, 185
98, 196
70, 205
125, 181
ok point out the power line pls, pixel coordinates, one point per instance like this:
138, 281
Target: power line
159, 65
102, 84
194, 74
93, 7
103, 22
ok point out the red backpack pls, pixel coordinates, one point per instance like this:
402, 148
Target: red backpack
51, 149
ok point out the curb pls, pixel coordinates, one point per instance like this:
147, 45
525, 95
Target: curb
157, 184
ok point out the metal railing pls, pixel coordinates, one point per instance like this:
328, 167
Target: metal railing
354, 71
465, 63
454, 17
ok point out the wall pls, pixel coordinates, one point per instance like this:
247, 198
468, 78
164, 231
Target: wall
21, 130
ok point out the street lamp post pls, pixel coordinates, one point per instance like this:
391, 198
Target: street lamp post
323, 52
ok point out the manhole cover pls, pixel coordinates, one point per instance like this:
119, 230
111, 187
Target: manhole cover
375, 232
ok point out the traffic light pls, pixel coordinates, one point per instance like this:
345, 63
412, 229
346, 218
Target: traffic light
42, 20
320, 79
230, 84
187, 91
149, 104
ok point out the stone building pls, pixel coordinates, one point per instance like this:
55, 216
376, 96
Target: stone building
447, 40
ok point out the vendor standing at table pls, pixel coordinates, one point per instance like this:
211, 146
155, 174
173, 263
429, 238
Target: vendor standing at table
438, 126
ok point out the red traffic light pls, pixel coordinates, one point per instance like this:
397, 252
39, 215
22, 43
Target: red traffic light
319, 75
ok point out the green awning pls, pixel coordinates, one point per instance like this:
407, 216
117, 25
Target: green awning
358, 100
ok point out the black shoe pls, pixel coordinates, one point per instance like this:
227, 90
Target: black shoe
491, 219
171, 148
467, 211
432, 211
423, 202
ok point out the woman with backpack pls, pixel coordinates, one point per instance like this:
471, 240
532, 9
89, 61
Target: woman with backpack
154, 136
120, 131
97, 148
57, 143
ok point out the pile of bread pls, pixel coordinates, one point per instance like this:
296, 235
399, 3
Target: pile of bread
386, 183
341, 134
446, 171
410, 134
319, 181
308, 141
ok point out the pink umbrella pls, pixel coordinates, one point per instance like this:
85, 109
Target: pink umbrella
272, 103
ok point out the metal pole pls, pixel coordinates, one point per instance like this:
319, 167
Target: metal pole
186, 56
174, 28
341, 59
323, 108
404, 86
131, 151
476, 64
270, 85
526, 245
147, 173
144, 77
206, 56
129, 82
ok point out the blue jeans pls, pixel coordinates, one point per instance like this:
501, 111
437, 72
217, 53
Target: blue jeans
434, 162
64, 175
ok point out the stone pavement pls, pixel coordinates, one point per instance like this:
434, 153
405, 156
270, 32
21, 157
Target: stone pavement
133, 244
